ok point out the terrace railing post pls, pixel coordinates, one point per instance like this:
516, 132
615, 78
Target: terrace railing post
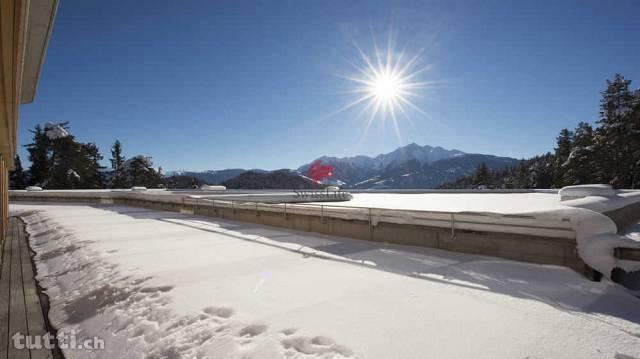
257, 212
322, 214
285, 210
453, 226
370, 226
233, 207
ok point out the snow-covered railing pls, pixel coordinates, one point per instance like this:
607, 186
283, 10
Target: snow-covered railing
557, 227
472, 221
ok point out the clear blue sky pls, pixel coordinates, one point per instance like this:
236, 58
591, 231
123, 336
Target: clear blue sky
252, 84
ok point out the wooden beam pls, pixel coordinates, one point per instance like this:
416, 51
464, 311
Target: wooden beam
17, 310
5, 291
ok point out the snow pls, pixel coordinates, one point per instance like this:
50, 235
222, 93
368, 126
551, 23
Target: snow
72, 173
505, 203
161, 284
299, 196
587, 190
146, 160
596, 234
55, 130
367, 181
206, 187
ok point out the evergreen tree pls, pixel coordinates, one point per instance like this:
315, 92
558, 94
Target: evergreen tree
523, 175
564, 143
66, 161
58, 161
91, 172
140, 172
581, 167
39, 157
481, 176
17, 177
542, 171
634, 141
119, 179
616, 129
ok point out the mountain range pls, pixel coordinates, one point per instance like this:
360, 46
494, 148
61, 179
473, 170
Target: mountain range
211, 176
410, 166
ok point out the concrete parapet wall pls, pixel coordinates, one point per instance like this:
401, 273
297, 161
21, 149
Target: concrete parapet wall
532, 248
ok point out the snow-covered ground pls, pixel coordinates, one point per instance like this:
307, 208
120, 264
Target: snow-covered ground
167, 285
458, 202
596, 234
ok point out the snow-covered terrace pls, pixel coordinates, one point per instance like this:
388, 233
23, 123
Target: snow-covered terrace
161, 284
532, 226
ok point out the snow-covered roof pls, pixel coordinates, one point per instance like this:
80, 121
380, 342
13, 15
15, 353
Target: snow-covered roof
156, 284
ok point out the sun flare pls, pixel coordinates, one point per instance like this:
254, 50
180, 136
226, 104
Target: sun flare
387, 83
386, 87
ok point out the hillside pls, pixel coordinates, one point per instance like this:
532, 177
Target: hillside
280, 179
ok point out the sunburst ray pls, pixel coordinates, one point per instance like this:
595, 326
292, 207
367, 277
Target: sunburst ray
386, 83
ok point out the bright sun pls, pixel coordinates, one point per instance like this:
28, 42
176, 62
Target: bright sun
387, 83
386, 87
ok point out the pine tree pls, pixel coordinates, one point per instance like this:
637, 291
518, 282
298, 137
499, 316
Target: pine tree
609, 153
581, 166
140, 172
17, 177
119, 179
634, 140
39, 157
523, 175
58, 161
562, 152
481, 176
91, 172
614, 138
66, 161
542, 171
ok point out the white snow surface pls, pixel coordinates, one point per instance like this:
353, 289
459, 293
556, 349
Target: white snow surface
55, 130
506, 203
587, 190
166, 285
596, 234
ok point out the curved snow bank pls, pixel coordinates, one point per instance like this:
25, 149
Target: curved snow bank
596, 234
572, 192
597, 238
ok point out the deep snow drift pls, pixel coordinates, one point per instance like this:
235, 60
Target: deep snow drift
161, 284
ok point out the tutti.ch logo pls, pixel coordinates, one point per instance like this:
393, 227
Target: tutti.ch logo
318, 171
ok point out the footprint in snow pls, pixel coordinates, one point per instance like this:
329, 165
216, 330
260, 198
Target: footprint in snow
163, 288
289, 331
252, 330
219, 311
